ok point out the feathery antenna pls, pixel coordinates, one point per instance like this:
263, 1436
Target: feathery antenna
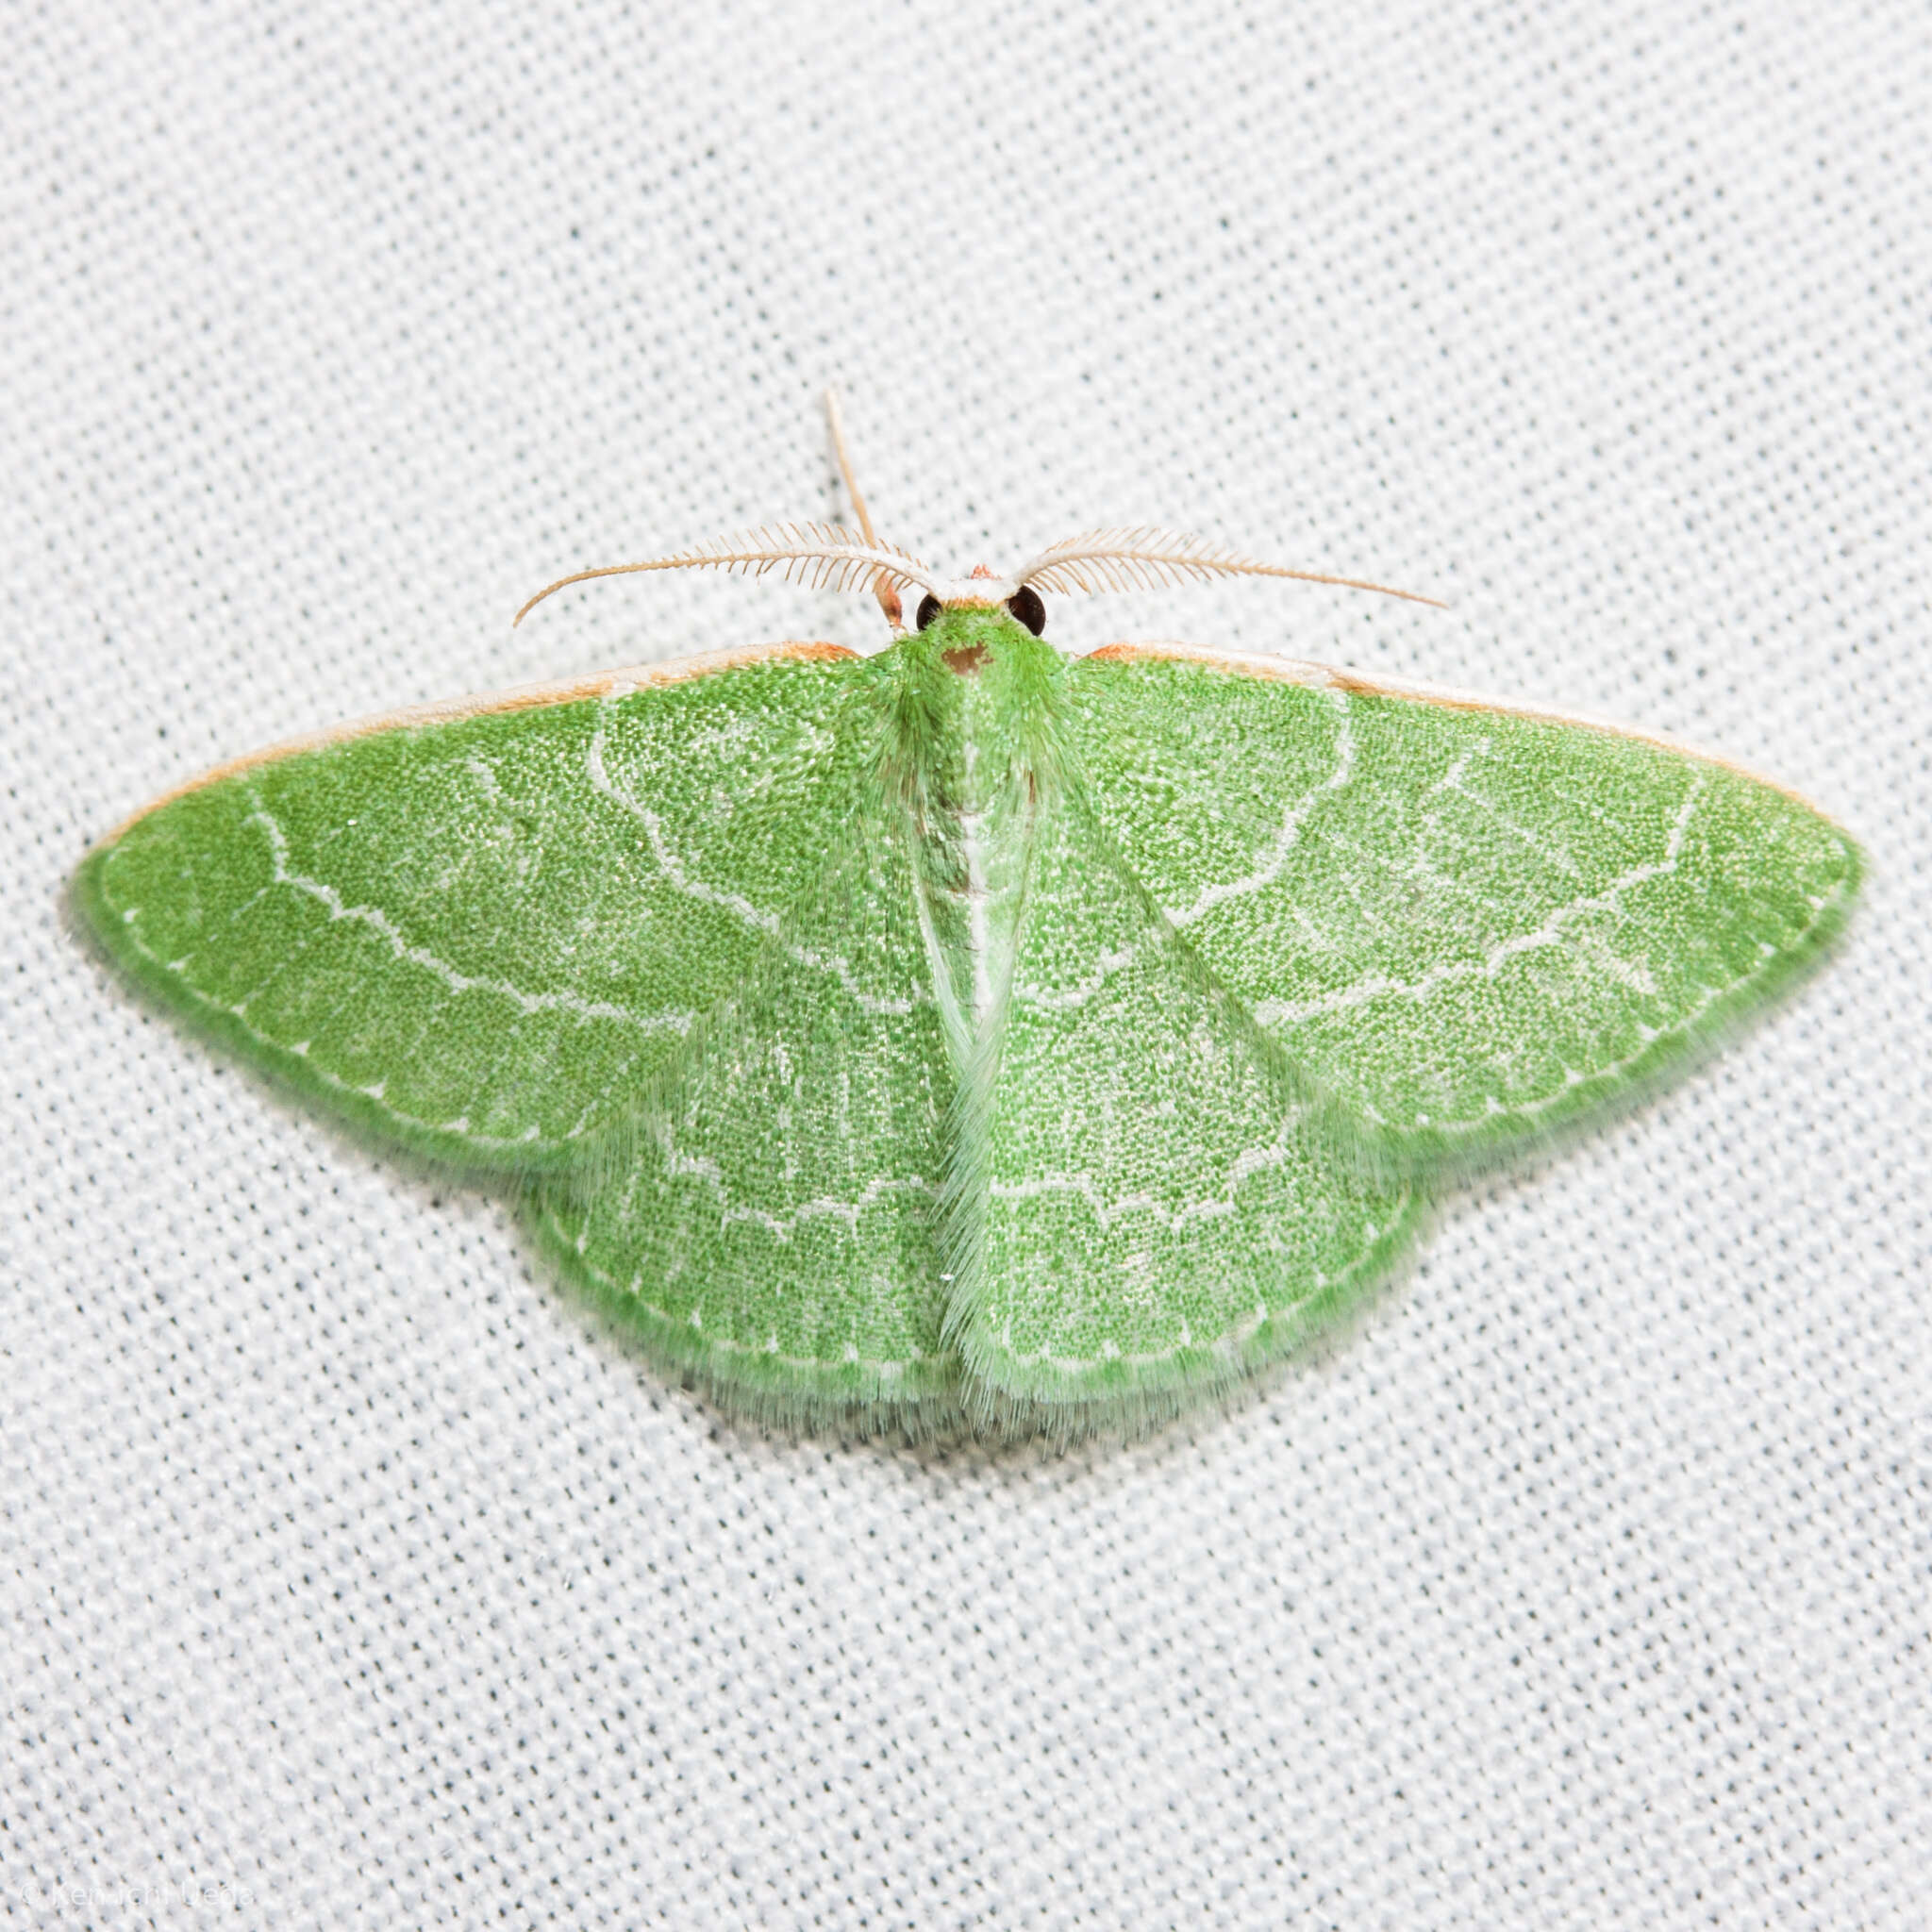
829, 557
883, 589
820, 555
1146, 559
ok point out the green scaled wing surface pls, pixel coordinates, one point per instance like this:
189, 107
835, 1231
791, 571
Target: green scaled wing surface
1471, 923
964, 1031
482, 929
767, 1218
1157, 1214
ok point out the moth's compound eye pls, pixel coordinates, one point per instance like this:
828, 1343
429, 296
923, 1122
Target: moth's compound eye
1026, 605
928, 612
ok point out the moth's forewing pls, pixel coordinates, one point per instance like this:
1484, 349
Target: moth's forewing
1473, 922
477, 927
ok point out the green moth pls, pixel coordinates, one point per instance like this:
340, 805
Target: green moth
969, 1033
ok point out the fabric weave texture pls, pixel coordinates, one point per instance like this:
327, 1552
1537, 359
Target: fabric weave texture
353, 1573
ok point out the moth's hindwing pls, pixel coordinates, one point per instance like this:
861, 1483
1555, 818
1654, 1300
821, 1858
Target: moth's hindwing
1160, 1209
767, 1218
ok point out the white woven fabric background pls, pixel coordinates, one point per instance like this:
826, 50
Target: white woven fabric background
352, 1574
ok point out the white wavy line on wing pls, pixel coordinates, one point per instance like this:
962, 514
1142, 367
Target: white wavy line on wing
1262, 876
1287, 837
702, 1167
459, 1126
1081, 990
1550, 933
379, 923
1250, 1160
734, 903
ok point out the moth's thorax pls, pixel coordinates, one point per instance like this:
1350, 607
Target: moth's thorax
977, 741
980, 698
988, 635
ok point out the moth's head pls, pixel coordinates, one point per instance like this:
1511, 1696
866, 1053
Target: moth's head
972, 625
983, 591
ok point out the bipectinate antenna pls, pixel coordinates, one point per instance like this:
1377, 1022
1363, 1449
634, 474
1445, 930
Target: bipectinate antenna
1145, 558
829, 557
